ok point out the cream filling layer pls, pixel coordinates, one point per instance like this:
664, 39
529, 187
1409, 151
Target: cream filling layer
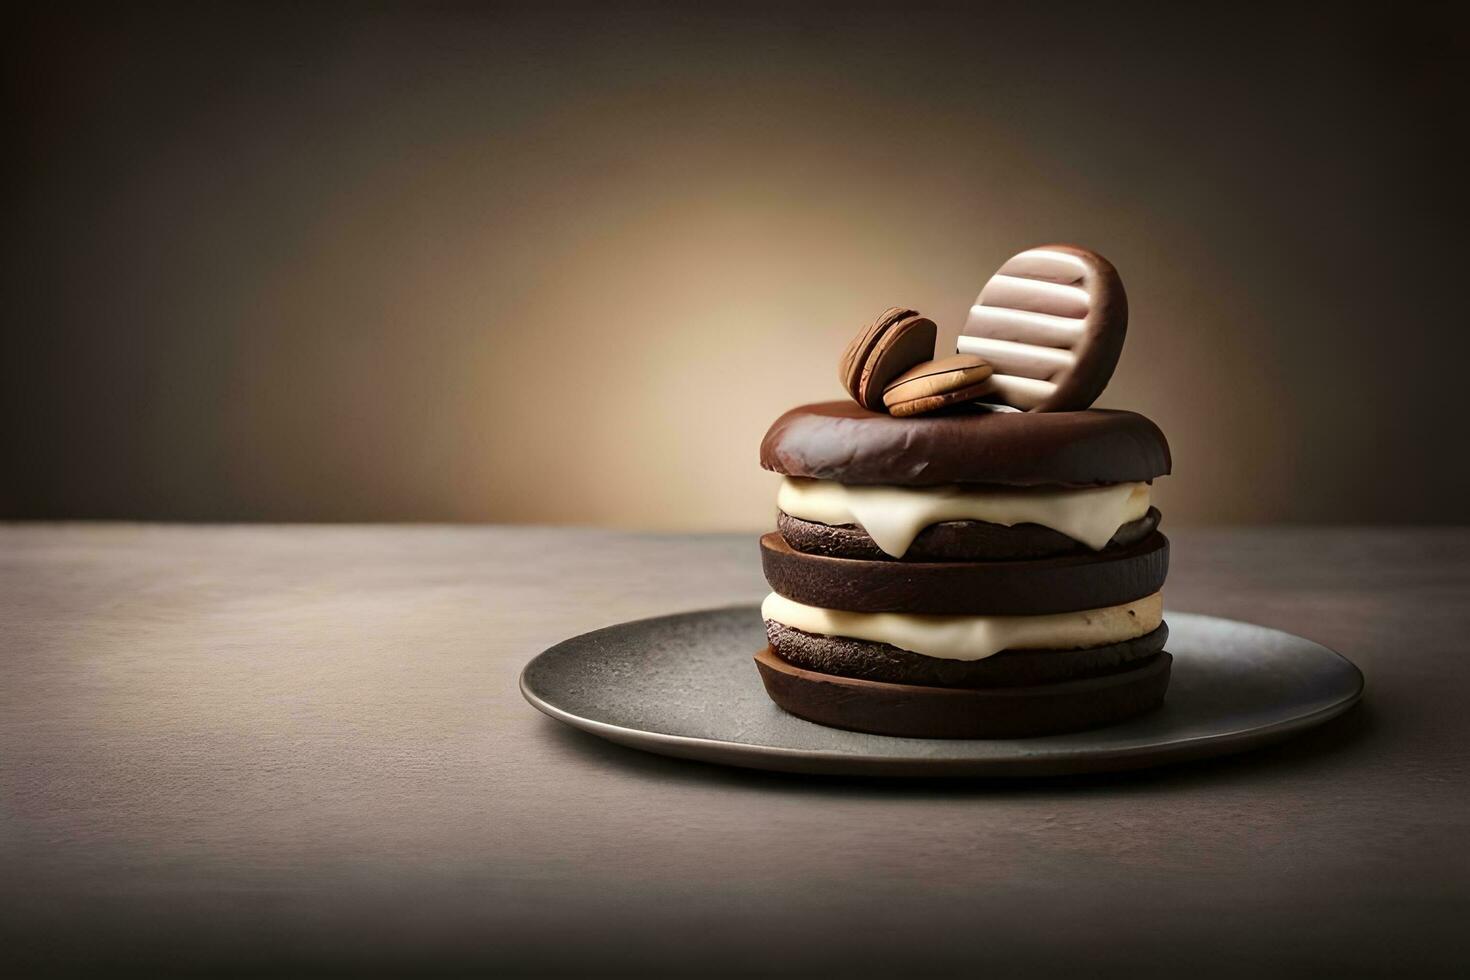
894, 516
975, 637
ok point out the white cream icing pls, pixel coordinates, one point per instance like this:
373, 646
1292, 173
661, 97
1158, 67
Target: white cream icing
894, 516
975, 637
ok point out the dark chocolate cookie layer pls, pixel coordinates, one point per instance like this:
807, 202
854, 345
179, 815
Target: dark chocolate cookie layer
866, 660
845, 442
914, 711
978, 588
953, 540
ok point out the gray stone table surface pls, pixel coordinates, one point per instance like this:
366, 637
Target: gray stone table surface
266, 749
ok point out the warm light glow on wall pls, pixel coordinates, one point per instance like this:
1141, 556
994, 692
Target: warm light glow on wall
450, 266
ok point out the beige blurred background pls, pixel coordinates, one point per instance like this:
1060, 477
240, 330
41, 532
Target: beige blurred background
566, 263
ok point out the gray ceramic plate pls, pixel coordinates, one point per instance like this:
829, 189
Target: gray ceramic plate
686, 686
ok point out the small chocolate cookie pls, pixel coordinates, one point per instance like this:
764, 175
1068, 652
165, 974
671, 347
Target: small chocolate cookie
882, 351
933, 385
953, 540
865, 659
915, 711
1093, 580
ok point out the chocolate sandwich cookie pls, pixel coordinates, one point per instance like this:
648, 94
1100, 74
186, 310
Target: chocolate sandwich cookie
896, 341
984, 588
847, 656
846, 443
916, 711
953, 540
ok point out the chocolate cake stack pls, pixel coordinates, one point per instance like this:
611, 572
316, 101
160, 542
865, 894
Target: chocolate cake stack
980, 566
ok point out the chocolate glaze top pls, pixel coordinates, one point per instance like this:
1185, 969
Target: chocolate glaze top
845, 442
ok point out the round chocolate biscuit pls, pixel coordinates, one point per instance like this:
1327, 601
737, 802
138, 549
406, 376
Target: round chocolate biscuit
1052, 323
981, 588
845, 442
916, 711
848, 656
953, 540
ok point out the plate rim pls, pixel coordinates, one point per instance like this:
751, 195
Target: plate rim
746, 755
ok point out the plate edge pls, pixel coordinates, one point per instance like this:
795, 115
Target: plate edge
765, 757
